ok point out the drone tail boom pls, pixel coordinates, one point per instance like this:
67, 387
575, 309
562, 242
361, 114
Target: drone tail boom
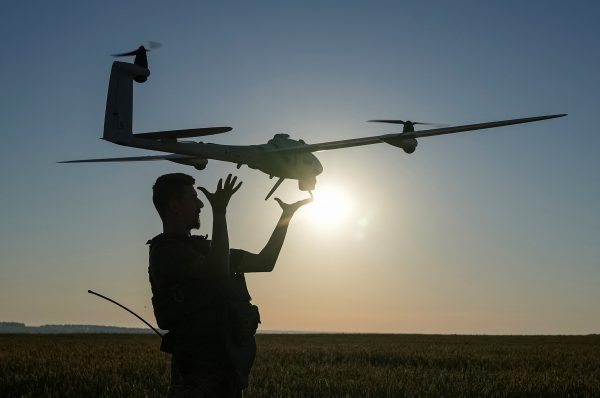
118, 118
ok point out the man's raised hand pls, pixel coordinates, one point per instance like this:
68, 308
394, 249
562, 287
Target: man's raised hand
290, 209
220, 198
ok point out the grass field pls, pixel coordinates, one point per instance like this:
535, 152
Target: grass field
314, 366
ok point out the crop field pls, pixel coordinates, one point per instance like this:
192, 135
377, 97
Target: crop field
314, 366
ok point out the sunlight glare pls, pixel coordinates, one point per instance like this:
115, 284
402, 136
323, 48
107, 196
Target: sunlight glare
330, 208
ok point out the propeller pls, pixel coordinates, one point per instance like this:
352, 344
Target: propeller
407, 121
408, 126
149, 46
140, 58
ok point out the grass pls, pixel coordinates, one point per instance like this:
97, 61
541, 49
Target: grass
314, 366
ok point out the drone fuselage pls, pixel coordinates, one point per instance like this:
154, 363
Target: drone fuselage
296, 165
303, 167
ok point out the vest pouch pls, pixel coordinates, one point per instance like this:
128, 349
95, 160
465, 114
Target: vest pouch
168, 308
243, 322
167, 343
173, 304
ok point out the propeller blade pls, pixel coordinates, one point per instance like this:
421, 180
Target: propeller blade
388, 121
398, 121
152, 45
277, 184
127, 54
431, 124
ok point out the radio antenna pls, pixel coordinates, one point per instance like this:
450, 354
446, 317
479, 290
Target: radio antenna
128, 310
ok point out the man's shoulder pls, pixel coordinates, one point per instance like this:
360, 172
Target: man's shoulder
171, 244
171, 238
164, 242
172, 256
165, 237
200, 243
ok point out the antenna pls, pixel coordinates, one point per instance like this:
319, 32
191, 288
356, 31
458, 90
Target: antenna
128, 310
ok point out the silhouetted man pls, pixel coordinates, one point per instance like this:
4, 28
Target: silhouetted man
199, 290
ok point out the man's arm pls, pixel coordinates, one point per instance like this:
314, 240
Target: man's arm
218, 257
266, 259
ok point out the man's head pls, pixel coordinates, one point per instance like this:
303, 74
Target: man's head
176, 200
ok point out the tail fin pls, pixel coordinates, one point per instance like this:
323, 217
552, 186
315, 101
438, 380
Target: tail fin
118, 119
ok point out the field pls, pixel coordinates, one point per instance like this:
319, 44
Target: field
314, 366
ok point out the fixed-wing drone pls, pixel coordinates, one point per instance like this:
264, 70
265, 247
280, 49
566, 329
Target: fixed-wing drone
281, 157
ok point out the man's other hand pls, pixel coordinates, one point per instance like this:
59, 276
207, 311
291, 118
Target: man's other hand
220, 198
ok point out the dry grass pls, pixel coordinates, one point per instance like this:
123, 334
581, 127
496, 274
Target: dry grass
314, 366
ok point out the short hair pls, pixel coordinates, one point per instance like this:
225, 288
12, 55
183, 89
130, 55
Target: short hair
168, 187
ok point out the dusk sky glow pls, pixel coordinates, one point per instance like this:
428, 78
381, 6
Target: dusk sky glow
493, 232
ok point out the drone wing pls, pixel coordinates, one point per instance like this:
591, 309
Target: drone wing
133, 159
481, 126
323, 146
174, 134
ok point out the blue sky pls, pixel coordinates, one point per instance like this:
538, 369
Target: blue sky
489, 232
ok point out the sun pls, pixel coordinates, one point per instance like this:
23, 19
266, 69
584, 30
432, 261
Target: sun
331, 207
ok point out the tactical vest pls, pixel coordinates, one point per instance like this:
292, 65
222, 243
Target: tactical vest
226, 301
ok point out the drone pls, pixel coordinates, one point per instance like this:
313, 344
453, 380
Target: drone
281, 157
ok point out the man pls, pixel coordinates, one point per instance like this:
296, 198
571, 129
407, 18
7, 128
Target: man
199, 290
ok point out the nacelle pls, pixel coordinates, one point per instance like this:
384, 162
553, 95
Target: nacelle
409, 145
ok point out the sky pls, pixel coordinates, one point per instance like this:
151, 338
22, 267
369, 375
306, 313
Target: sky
490, 232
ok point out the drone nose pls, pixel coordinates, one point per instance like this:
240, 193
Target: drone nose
318, 167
